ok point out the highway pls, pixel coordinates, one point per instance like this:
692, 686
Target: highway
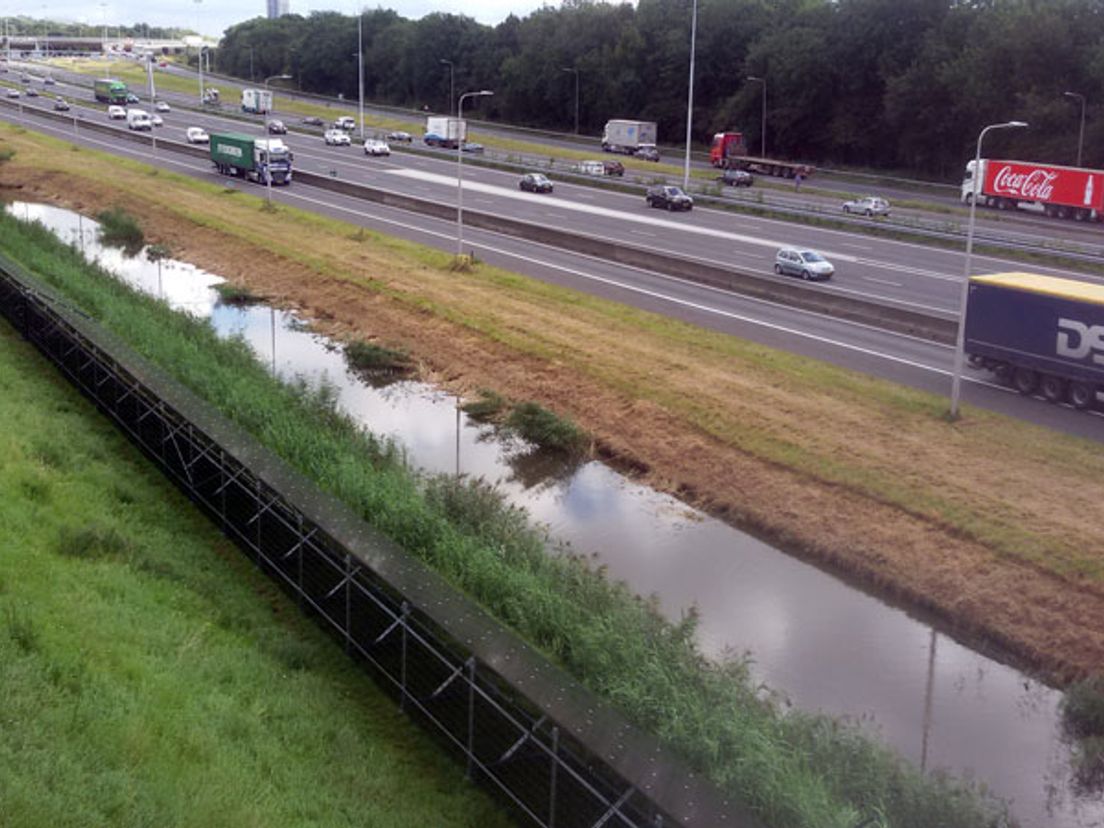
917, 276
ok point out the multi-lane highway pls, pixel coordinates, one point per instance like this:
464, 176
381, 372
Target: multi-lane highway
922, 278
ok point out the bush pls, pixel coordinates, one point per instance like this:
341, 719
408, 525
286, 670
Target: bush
367, 356
1083, 708
118, 228
546, 429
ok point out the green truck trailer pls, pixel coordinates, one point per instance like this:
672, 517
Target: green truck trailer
110, 91
256, 159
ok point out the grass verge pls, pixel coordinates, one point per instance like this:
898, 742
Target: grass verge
795, 769
151, 676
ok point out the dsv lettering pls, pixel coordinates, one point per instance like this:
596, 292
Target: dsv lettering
1077, 340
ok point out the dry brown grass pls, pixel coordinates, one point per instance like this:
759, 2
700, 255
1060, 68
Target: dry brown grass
990, 524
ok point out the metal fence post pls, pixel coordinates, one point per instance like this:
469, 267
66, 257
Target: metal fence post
402, 664
471, 716
348, 603
552, 779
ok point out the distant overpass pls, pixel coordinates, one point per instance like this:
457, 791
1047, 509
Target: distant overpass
38, 45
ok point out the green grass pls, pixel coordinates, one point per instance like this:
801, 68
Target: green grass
796, 769
547, 429
120, 229
151, 676
369, 357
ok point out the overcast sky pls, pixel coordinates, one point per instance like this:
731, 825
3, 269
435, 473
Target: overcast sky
215, 16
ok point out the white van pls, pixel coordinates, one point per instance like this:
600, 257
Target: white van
138, 119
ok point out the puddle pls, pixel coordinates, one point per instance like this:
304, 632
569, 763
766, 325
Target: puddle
822, 643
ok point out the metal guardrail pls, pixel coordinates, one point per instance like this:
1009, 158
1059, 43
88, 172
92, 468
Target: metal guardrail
545, 746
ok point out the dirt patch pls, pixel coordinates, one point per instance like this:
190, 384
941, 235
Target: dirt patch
976, 527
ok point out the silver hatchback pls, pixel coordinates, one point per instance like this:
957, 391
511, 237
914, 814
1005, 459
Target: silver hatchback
808, 264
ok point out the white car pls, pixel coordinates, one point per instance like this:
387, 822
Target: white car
13, 93
116, 113
197, 135
156, 120
808, 264
163, 107
337, 137
344, 122
373, 146
868, 206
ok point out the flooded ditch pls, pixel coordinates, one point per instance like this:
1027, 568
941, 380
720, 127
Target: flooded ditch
821, 643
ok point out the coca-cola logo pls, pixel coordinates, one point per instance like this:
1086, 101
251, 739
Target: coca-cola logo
1037, 185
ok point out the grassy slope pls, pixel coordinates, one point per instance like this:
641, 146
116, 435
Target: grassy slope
151, 676
792, 767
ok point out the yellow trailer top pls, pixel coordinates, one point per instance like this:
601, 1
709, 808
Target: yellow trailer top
1047, 285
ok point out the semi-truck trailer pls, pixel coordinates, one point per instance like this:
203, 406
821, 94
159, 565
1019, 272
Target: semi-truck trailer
1061, 192
256, 101
627, 137
442, 131
253, 158
729, 151
110, 91
1038, 334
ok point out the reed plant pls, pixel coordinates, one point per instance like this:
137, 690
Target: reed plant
796, 770
118, 228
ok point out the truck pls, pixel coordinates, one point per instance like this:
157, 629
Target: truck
729, 152
250, 157
1038, 333
256, 101
1057, 191
443, 131
211, 95
110, 91
628, 137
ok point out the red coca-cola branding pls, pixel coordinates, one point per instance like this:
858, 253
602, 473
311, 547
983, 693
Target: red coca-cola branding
1052, 185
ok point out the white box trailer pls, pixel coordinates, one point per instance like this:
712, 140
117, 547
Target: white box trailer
256, 101
628, 136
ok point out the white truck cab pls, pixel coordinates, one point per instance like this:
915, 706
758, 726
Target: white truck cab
138, 119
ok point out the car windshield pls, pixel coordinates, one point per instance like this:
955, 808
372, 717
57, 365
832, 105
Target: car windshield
673, 191
811, 256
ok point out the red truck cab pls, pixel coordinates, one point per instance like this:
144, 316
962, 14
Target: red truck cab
726, 144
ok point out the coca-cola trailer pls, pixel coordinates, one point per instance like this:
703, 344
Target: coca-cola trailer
1062, 192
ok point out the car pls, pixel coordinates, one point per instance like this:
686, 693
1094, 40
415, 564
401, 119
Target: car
162, 106
471, 146
197, 135
116, 113
344, 122
60, 104
13, 93
648, 152
131, 98
276, 127
156, 120
432, 139
613, 168
867, 206
808, 264
337, 137
535, 183
312, 120
669, 197
163, 63
400, 136
591, 168
25, 78
49, 81
32, 92
374, 146
736, 178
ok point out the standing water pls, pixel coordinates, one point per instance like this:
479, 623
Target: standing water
823, 644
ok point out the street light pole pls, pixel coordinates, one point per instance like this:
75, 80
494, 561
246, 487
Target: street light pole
360, 69
960, 341
199, 53
763, 118
460, 167
452, 78
690, 96
1081, 132
575, 71
268, 148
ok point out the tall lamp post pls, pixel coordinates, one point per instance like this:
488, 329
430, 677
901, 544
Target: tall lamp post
360, 70
575, 71
1081, 133
199, 53
452, 78
690, 96
460, 167
763, 117
960, 341
268, 151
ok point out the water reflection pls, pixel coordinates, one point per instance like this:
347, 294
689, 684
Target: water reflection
820, 642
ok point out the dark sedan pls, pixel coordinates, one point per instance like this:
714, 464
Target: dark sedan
312, 120
535, 183
668, 197
736, 178
276, 128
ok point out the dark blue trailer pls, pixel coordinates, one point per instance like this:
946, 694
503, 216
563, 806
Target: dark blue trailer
1038, 333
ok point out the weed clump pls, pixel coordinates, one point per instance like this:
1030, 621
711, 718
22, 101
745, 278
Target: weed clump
1082, 711
236, 295
118, 228
547, 429
372, 358
490, 405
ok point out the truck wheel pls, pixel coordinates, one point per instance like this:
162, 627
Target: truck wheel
1025, 380
975, 361
1081, 395
1053, 388
1003, 373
